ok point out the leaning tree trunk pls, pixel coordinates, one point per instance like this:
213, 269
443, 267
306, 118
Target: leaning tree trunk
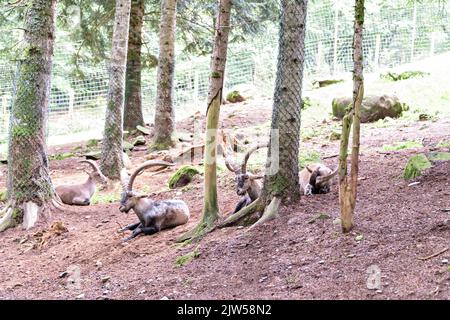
111, 161
164, 112
29, 185
133, 116
348, 185
281, 177
216, 80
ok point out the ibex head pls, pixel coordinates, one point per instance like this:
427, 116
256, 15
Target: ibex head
243, 178
319, 179
130, 198
96, 175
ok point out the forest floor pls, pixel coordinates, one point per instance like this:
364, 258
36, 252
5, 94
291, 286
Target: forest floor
300, 255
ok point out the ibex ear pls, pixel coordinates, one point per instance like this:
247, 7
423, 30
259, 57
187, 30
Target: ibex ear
256, 176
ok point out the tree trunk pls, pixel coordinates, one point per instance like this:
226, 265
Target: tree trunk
285, 129
133, 116
111, 159
29, 184
348, 185
164, 112
216, 80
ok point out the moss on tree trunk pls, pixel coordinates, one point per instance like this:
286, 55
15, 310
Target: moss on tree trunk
111, 161
164, 112
218, 61
28, 171
133, 116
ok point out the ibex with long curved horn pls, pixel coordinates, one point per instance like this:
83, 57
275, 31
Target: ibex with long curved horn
153, 215
81, 194
247, 184
316, 178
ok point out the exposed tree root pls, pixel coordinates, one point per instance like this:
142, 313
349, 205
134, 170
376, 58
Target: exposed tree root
29, 212
6, 217
241, 214
199, 231
270, 212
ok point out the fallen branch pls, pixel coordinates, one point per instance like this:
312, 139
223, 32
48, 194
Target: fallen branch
434, 254
331, 156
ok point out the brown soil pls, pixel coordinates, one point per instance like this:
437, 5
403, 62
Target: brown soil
297, 256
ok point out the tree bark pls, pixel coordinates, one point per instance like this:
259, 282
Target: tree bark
348, 185
285, 127
133, 115
164, 112
111, 161
29, 182
216, 81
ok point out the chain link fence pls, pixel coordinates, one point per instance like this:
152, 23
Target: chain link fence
394, 35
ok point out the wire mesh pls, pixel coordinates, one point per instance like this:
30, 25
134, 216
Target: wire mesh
393, 36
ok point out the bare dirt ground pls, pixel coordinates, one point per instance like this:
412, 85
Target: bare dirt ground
297, 256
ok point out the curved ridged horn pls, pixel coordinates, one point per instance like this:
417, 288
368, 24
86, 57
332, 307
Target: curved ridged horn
323, 179
230, 164
92, 163
249, 152
145, 165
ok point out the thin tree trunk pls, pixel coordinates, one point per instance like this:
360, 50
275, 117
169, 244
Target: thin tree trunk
348, 185
285, 128
111, 159
164, 112
216, 81
133, 116
29, 184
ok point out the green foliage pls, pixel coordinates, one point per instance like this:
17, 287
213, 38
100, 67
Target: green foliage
234, 96
3, 196
188, 257
443, 144
392, 76
439, 156
98, 198
403, 145
308, 157
182, 177
415, 166
61, 156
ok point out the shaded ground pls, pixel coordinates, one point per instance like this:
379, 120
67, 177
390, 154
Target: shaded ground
301, 255
298, 256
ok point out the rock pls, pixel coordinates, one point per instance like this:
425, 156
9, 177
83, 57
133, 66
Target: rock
164, 298
335, 135
143, 130
373, 107
444, 261
139, 141
80, 296
93, 155
415, 166
127, 146
182, 177
359, 237
235, 96
105, 279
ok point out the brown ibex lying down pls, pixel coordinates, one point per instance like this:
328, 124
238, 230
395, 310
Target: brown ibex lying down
247, 184
153, 215
81, 194
316, 178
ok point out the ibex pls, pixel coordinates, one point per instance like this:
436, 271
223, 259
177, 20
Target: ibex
81, 194
247, 184
316, 178
153, 215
